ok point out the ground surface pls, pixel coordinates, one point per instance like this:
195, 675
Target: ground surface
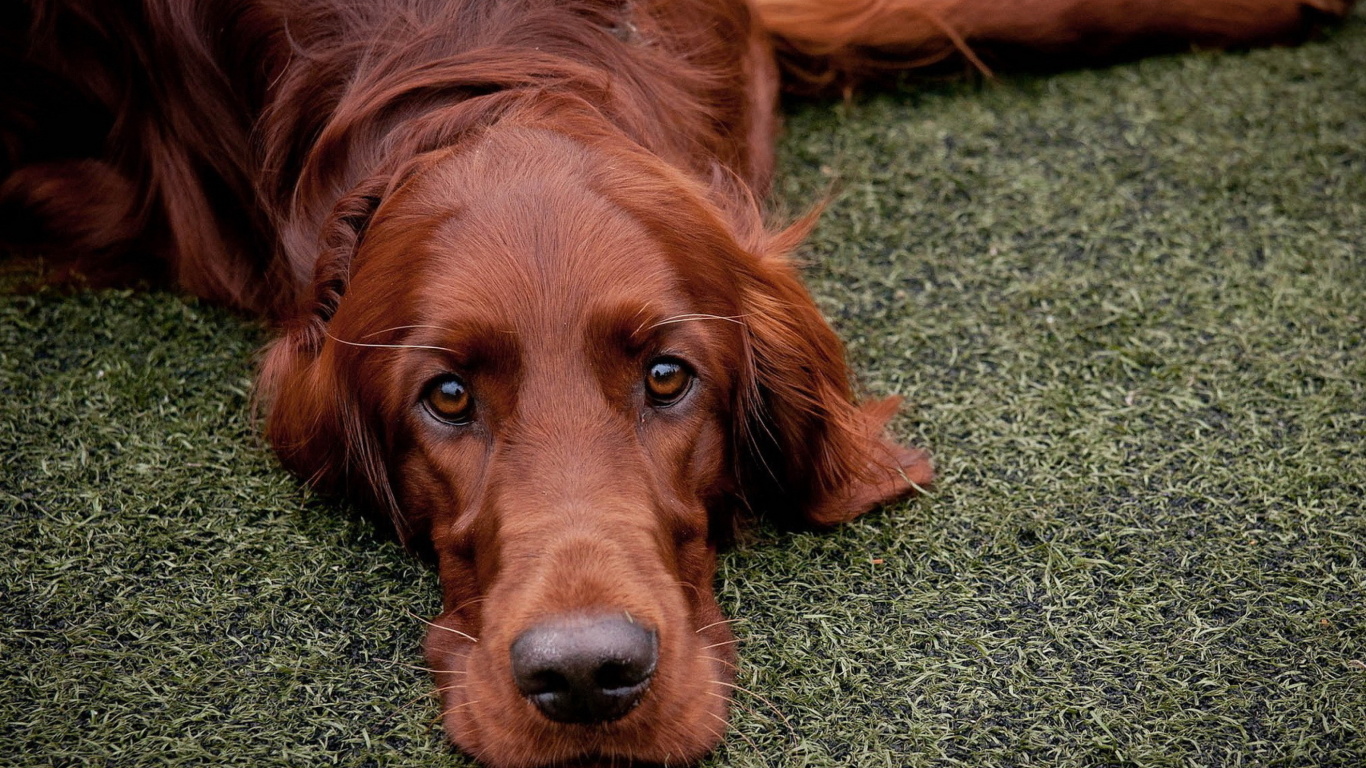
1127, 307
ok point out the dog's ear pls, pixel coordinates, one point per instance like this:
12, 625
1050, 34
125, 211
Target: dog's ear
312, 419
808, 453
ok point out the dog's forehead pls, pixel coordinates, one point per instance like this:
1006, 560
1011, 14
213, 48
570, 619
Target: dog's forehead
545, 258
538, 253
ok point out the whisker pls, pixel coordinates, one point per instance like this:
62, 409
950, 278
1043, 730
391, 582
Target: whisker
404, 707
722, 662
419, 668
722, 621
693, 588
387, 346
467, 603
737, 319
432, 693
717, 645
408, 328
470, 638
751, 712
445, 712
725, 727
766, 702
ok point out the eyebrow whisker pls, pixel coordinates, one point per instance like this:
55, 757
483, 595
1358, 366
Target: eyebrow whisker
737, 319
388, 346
409, 328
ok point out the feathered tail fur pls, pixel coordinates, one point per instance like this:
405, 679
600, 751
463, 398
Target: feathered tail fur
827, 44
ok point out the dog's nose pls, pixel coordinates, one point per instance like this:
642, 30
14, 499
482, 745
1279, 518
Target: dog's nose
585, 669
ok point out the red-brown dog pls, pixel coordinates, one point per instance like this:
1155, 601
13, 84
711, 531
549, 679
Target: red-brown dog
530, 312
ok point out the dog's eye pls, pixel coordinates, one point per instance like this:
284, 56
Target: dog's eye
449, 400
667, 380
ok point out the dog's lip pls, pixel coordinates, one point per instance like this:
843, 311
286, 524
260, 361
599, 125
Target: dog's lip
605, 761
609, 761
600, 758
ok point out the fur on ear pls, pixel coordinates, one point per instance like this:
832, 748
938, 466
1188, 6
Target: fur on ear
813, 455
312, 420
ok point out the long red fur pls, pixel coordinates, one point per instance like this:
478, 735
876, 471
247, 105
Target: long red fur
826, 45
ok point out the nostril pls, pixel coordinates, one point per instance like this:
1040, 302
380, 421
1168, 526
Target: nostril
545, 681
584, 669
617, 675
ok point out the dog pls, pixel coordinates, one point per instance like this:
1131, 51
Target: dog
529, 311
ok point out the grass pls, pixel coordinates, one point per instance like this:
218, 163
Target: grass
1127, 307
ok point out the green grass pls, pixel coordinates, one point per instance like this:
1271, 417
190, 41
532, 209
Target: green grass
1128, 307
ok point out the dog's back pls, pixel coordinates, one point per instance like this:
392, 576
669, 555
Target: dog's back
186, 135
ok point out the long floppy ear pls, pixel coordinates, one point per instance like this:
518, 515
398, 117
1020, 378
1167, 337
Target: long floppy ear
811, 452
313, 424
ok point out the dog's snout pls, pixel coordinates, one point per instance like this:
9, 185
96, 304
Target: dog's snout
585, 669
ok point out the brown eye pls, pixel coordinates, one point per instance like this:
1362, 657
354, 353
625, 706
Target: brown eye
449, 400
667, 380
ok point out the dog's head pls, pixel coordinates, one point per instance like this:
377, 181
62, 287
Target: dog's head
558, 364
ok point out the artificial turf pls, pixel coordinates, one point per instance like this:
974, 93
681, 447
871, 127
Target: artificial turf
1126, 307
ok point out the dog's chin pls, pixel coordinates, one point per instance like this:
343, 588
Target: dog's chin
680, 720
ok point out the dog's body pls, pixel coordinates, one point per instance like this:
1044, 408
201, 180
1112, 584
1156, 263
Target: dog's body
530, 312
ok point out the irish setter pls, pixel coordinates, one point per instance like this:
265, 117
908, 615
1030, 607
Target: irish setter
528, 308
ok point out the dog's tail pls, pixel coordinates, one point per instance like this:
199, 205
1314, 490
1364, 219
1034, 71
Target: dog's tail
831, 44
